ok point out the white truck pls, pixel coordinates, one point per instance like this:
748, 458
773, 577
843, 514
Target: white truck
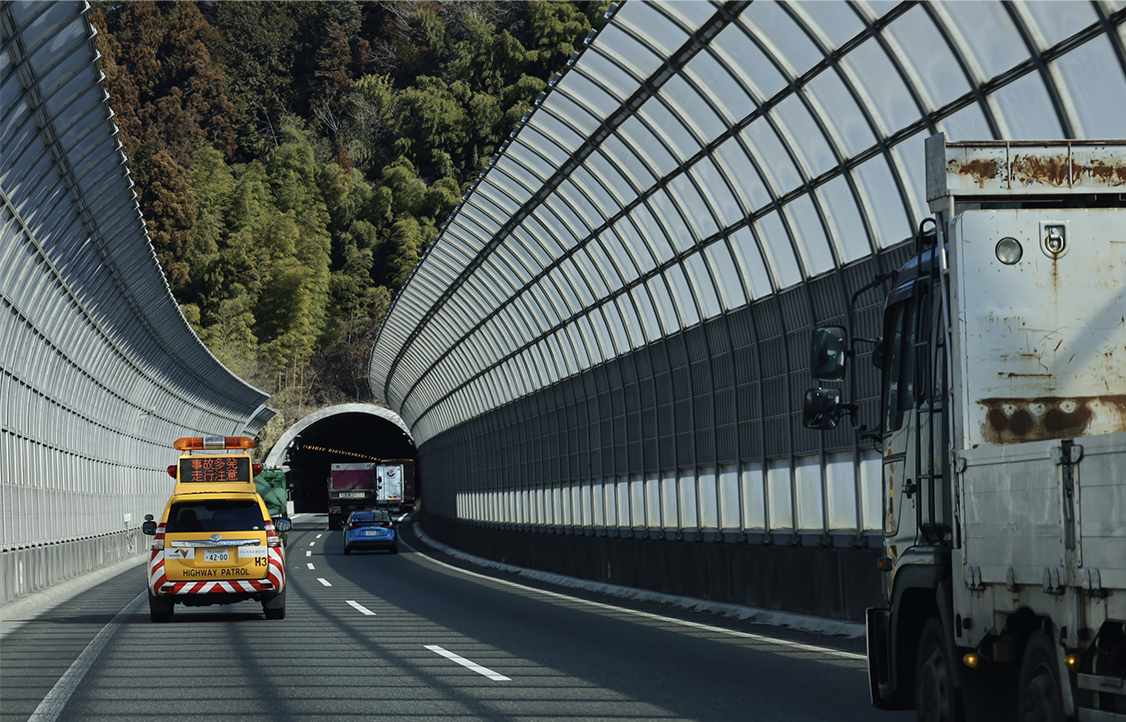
389, 480
1003, 437
395, 479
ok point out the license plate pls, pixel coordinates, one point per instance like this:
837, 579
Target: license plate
216, 555
372, 532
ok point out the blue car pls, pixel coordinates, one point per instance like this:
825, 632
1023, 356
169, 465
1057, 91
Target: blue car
370, 529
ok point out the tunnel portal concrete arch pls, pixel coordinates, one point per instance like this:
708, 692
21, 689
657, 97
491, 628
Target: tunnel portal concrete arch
345, 433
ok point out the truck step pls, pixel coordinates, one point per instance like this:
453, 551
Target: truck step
1094, 715
1100, 683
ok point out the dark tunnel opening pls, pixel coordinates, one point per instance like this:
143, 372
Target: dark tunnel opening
341, 438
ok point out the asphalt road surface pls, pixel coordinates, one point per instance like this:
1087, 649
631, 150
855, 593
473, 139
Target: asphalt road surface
417, 636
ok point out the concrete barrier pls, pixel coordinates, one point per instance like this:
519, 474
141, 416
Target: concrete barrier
32, 569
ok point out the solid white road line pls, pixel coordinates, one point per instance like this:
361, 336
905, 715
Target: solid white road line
363, 610
324, 582
49, 709
647, 615
467, 664
311, 565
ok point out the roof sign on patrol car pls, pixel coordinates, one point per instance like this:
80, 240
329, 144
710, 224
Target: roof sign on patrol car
206, 469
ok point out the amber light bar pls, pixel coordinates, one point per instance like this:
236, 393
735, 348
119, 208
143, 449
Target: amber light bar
198, 443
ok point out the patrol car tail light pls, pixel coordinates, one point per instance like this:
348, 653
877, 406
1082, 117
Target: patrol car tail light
272, 538
158, 539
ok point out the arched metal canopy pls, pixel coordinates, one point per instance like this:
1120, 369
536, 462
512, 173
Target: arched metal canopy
696, 157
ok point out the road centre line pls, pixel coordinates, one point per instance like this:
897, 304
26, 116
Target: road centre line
363, 610
658, 617
467, 664
53, 704
324, 582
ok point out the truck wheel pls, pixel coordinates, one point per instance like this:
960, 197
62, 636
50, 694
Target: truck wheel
160, 610
936, 697
1039, 689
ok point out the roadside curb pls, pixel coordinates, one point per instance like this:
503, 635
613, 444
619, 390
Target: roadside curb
47, 598
800, 622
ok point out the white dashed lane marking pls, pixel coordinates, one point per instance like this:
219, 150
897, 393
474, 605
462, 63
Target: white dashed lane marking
311, 565
467, 664
308, 554
324, 582
363, 610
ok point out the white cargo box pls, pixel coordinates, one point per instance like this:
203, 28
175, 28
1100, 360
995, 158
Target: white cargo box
1040, 344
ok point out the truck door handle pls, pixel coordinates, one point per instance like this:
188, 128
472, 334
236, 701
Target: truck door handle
909, 488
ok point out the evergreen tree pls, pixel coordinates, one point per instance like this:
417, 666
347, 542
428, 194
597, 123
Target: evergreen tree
212, 185
257, 57
168, 196
406, 246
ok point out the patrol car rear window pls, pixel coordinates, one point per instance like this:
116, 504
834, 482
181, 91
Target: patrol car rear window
215, 515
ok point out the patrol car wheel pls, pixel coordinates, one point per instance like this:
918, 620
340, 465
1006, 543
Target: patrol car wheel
160, 610
275, 608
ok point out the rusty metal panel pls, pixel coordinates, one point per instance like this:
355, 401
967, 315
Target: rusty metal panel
1025, 168
1041, 342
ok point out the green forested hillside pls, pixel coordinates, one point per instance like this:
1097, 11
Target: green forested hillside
294, 159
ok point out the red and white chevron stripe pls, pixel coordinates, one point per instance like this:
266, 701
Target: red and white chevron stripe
239, 585
276, 572
156, 562
160, 586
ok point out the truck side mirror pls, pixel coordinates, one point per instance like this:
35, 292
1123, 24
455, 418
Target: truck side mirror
828, 349
822, 409
879, 354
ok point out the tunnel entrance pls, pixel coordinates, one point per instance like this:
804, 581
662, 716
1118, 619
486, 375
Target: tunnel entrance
349, 433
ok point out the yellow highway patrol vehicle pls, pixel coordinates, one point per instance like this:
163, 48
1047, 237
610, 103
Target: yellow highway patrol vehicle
215, 542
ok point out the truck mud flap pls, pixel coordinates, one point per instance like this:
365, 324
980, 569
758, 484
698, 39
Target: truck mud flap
879, 665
